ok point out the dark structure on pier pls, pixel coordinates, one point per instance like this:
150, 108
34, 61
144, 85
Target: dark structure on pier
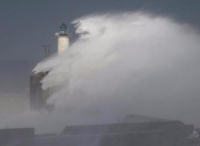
38, 96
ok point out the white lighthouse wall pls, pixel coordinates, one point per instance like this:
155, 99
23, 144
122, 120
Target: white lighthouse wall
63, 44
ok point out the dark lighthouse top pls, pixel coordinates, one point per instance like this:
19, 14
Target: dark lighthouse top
63, 29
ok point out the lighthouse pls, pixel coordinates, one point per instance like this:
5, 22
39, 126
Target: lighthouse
63, 39
38, 96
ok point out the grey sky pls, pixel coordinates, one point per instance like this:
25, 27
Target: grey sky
27, 25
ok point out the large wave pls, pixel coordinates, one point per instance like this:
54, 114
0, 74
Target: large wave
130, 63
122, 57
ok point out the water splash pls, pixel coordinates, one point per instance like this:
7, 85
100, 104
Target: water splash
122, 64
134, 45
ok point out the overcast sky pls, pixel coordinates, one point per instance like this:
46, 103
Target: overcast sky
27, 25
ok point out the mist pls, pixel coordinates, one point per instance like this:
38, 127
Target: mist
125, 63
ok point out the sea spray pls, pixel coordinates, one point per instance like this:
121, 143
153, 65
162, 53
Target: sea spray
124, 45
130, 63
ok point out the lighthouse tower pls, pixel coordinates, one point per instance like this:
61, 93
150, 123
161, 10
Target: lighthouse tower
63, 38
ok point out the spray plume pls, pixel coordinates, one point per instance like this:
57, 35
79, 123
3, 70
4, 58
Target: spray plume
130, 63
